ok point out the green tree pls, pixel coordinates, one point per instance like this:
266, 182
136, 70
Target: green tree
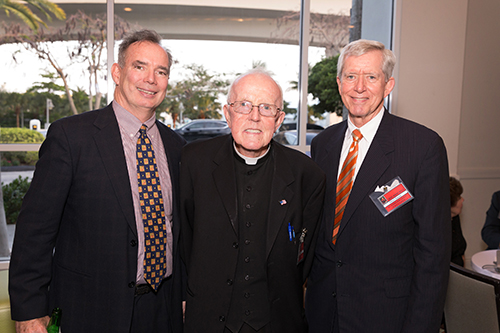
323, 86
13, 194
32, 104
287, 109
196, 96
22, 11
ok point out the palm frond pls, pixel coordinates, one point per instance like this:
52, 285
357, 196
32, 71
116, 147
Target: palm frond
23, 12
47, 7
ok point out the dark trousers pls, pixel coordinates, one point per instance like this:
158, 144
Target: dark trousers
150, 313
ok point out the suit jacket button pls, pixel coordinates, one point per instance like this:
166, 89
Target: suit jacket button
131, 284
235, 245
334, 294
339, 263
222, 318
229, 282
133, 243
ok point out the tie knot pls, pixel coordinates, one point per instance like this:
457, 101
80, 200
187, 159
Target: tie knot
356, 135
142, 130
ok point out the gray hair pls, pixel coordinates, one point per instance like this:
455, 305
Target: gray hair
363, 46
144, 35
254, 71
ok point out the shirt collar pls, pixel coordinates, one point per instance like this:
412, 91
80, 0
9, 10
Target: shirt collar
129, 122
369, 129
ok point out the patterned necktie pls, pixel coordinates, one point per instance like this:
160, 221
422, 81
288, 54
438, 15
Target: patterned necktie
344, 183
153, 214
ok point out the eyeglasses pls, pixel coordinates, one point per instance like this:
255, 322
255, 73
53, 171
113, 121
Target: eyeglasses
246, 107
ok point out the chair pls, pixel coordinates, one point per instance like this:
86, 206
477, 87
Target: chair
472, 302
6, 324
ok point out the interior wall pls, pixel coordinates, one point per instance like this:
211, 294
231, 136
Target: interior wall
479, 141
447, 79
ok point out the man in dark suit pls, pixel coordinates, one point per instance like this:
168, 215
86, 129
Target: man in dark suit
79, 242
250, 209
382, 259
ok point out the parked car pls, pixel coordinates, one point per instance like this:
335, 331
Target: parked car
288, 126
203, 129
290, 137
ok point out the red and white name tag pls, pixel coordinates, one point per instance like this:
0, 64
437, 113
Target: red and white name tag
391, 196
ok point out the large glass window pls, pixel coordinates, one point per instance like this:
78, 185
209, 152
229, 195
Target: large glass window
62, 70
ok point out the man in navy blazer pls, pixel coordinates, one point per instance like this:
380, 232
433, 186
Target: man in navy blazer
79, 237
386, 268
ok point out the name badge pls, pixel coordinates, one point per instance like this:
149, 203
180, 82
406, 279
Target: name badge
391, 196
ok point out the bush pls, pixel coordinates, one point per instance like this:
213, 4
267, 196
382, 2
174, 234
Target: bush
13, 195
19, 135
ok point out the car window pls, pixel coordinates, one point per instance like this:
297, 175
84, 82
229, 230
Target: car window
213, 124
218, 125
196, 125
291, 138
309, 137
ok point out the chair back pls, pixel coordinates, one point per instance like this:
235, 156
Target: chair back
472, 302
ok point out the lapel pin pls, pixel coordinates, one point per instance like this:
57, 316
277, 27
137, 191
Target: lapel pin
283, 202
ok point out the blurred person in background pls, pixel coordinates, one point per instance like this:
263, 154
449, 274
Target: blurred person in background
491, 228
458, 243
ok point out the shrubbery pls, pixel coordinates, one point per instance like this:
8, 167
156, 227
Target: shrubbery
20, 135
13, 195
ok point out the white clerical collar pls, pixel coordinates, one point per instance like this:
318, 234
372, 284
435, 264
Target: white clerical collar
250, 160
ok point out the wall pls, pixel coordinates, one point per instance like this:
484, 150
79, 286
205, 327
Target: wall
448, 79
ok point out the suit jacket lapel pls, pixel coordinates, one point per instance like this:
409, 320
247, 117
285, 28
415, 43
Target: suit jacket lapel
374, 165
331, 157
225, 181
109, 143
281, 195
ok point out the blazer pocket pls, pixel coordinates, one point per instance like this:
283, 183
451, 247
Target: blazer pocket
398, 287
68, 270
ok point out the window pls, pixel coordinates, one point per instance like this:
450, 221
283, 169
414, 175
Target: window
211, 41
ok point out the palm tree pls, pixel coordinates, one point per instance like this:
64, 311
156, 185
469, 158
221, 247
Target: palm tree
31, 19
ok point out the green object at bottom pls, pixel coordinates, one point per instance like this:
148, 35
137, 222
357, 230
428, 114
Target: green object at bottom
55, 321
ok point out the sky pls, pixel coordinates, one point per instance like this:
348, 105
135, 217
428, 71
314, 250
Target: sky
216, 56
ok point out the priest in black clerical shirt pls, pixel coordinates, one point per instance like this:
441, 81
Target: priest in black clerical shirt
250, 211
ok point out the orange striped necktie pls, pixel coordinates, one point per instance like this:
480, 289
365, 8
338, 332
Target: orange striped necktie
344, 183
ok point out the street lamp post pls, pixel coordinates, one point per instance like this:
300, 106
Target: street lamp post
49, 106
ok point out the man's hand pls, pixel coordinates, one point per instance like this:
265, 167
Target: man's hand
37, 325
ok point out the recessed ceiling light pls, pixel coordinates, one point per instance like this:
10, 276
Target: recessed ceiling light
127, 9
